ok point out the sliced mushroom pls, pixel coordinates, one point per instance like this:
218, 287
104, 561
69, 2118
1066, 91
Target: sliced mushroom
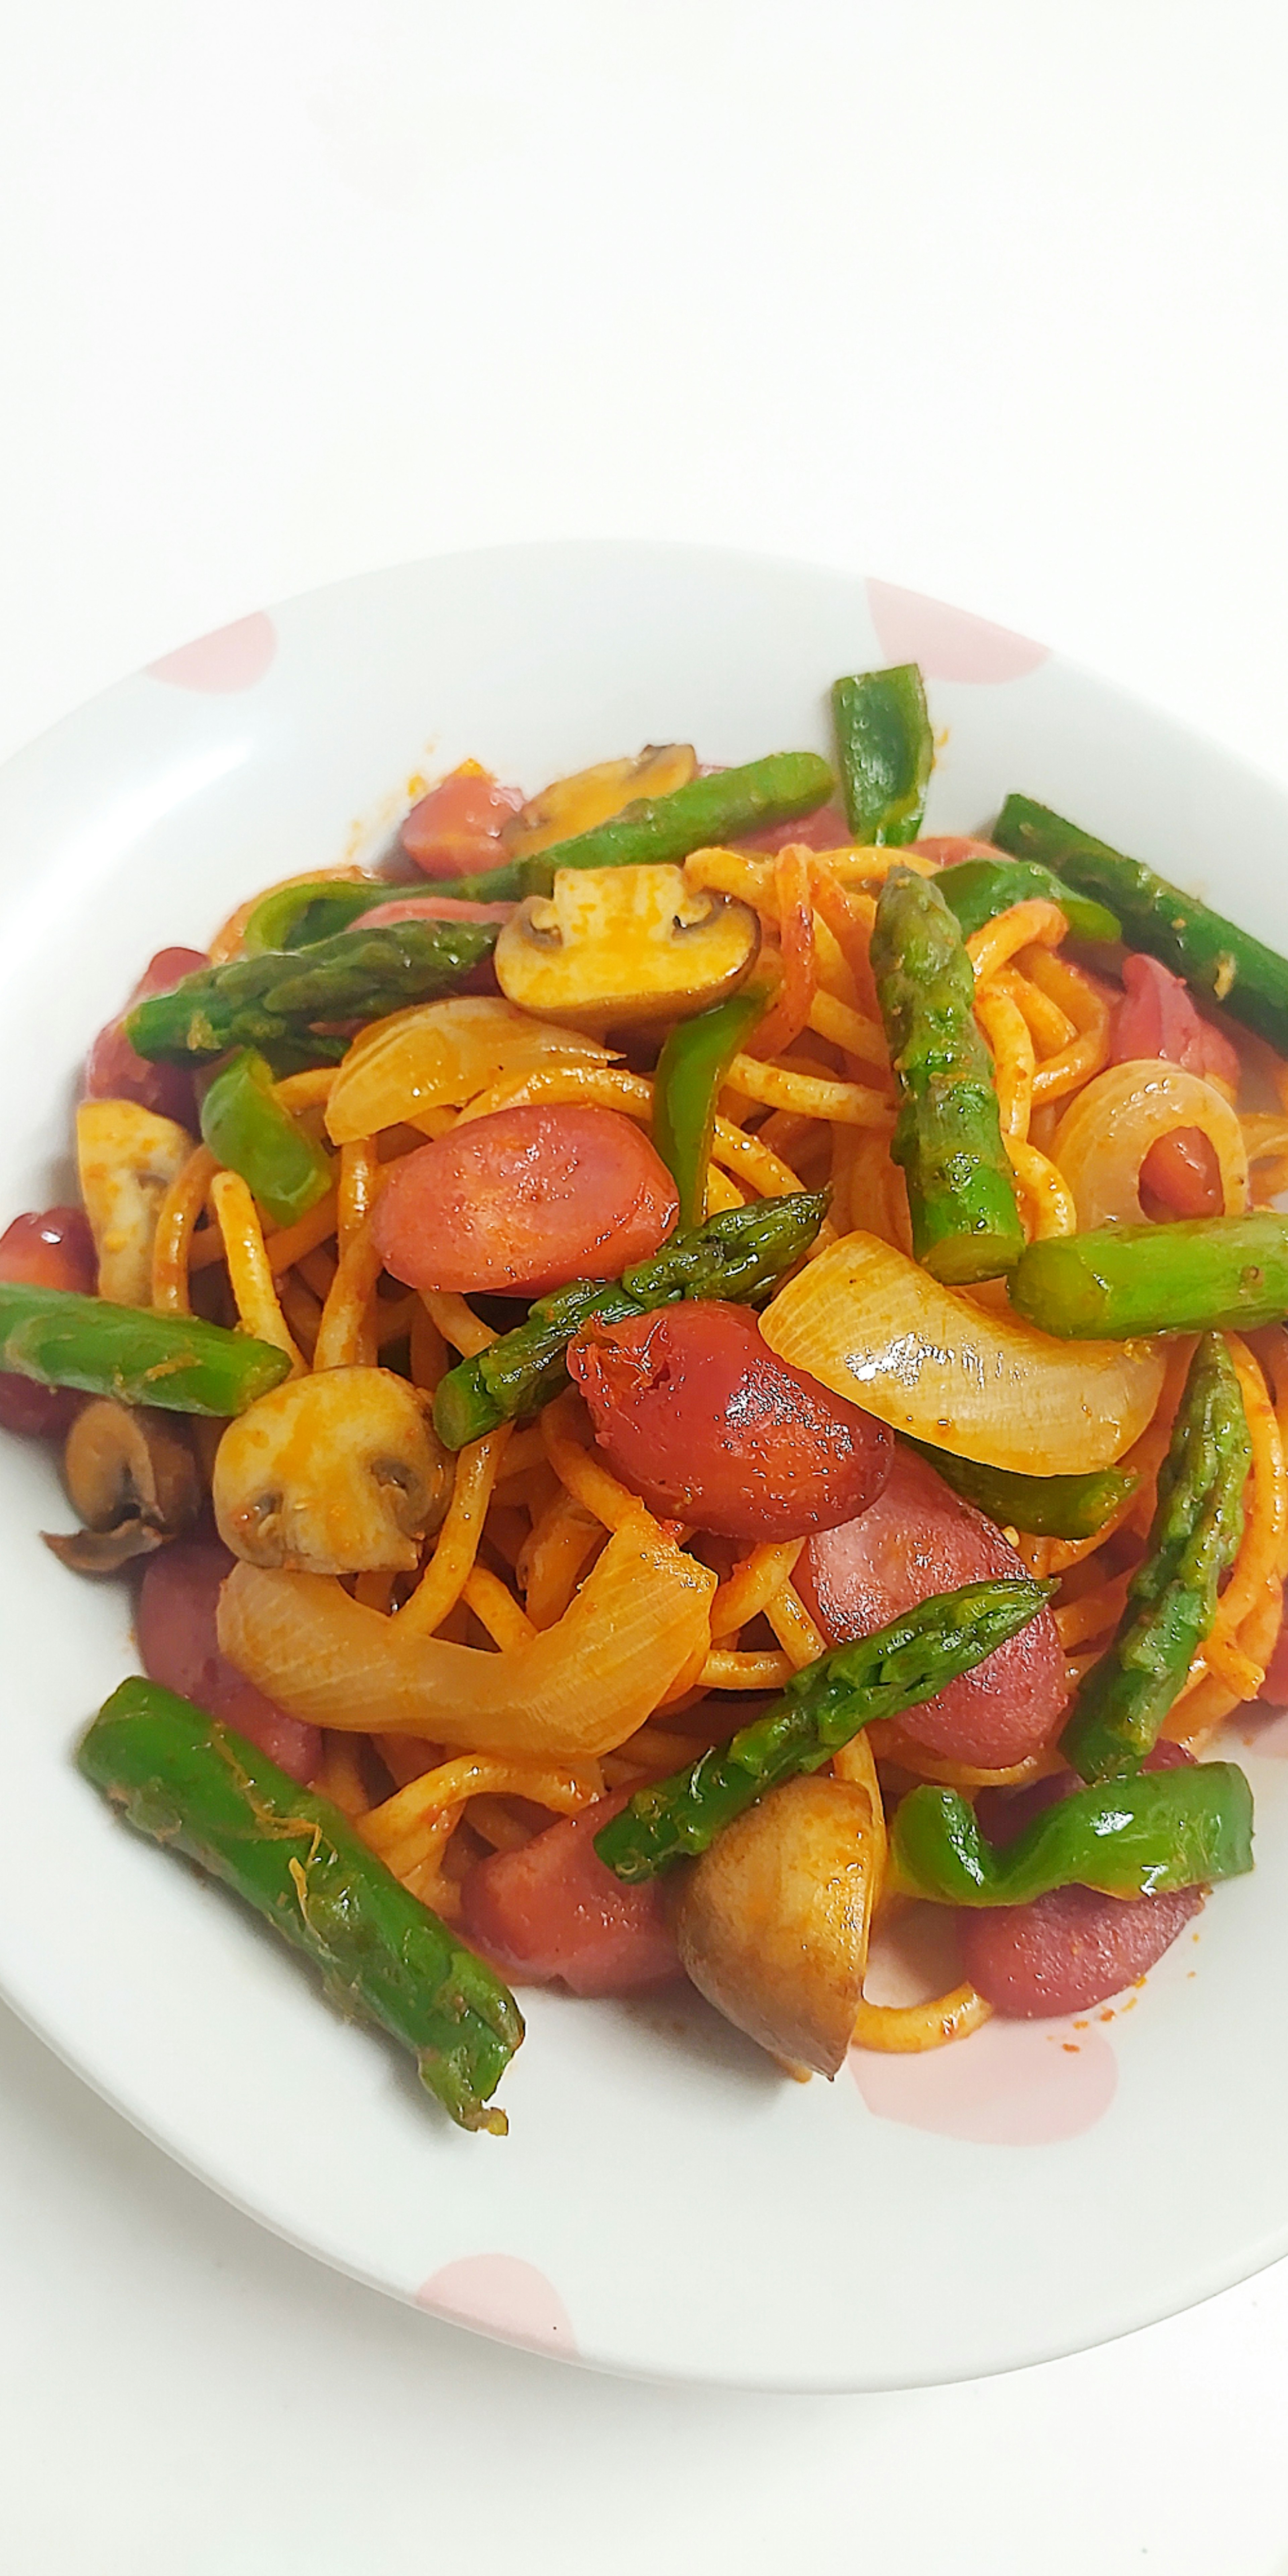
592, 796
772, 1922
128, 1157
340, 1473
132, 1478
616, 945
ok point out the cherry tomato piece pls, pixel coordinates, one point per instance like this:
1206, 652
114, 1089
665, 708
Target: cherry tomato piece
52, 1250
457, 828
552, 1910
112, 1069
919, 1539
178, 1607
524, 1200
698, 1416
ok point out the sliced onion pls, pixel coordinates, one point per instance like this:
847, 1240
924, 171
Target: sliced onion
574, 1691
1104, 1138
438, 1055
871, 1325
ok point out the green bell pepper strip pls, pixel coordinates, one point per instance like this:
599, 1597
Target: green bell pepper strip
948, 1137
821, 1709
1213, 955
132, 1354
665, 828
1194, 1537
197, 1787
1070, 1507
1228, 1273
687, 1081
275, 1002
248, 1131
734, 1255
978, 889
297, 916
885, 752
1140, 1837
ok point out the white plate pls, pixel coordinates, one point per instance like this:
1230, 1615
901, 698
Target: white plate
666, 2203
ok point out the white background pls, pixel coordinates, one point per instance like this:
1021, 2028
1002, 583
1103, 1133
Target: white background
987, 299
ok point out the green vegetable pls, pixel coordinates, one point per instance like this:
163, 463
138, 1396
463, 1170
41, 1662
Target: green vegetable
1140, 1837
285, 1004
1070, 1507
296, 916
1214, 956
660, 828
687, 1082
196, 1786
822, 1707
885, 750
978, 889
1227, 1272
249, 1132
128, 1352
1172, 1597
948, 1137
734, 1255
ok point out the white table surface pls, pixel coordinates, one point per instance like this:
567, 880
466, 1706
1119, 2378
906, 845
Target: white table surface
989, 300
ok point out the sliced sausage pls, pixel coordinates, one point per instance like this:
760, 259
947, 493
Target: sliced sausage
918, 1539
701, 1418
179, 1646
551, 1910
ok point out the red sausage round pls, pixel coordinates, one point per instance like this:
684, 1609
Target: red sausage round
457, 828
1069, 1949
551, 1909
1156, 1017
178, 1605
916, 1540
52, 1250
1073, 1947
702, 1419
524, 1200
112, 1069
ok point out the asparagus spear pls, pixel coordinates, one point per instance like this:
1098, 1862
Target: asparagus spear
965, 1223
1213, 954
1172, 1597
131, 1354
1070, 1507
249, 1132
1140, 1837
734, 1255
286, 1005
659, 828
690, 1070
978, 889
822, 1707
193, 1784
886, 752
1119, 1281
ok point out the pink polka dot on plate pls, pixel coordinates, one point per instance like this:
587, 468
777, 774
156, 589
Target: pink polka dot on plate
234, 657
947, 642
1011, 2084
501, 2295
